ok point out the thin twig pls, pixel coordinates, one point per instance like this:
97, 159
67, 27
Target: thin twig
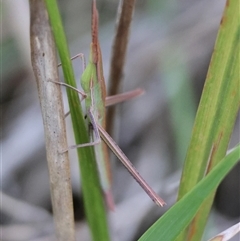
45, 68
124, 19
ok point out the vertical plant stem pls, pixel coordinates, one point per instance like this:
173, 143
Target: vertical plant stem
216, 115
45, 68
119, 50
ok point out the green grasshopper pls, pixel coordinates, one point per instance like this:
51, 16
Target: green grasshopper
93, 85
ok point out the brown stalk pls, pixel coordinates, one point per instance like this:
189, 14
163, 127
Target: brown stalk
119, 50
45, 68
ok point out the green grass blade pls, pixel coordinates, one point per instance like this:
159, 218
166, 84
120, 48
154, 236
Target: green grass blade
216, 115
176, 219
92, 194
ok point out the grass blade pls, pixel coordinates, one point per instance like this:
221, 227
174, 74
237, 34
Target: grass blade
216, 115
92, 194
171, 224
227, 234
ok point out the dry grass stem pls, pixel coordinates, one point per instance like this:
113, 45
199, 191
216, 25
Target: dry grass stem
119, 50
45, 68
